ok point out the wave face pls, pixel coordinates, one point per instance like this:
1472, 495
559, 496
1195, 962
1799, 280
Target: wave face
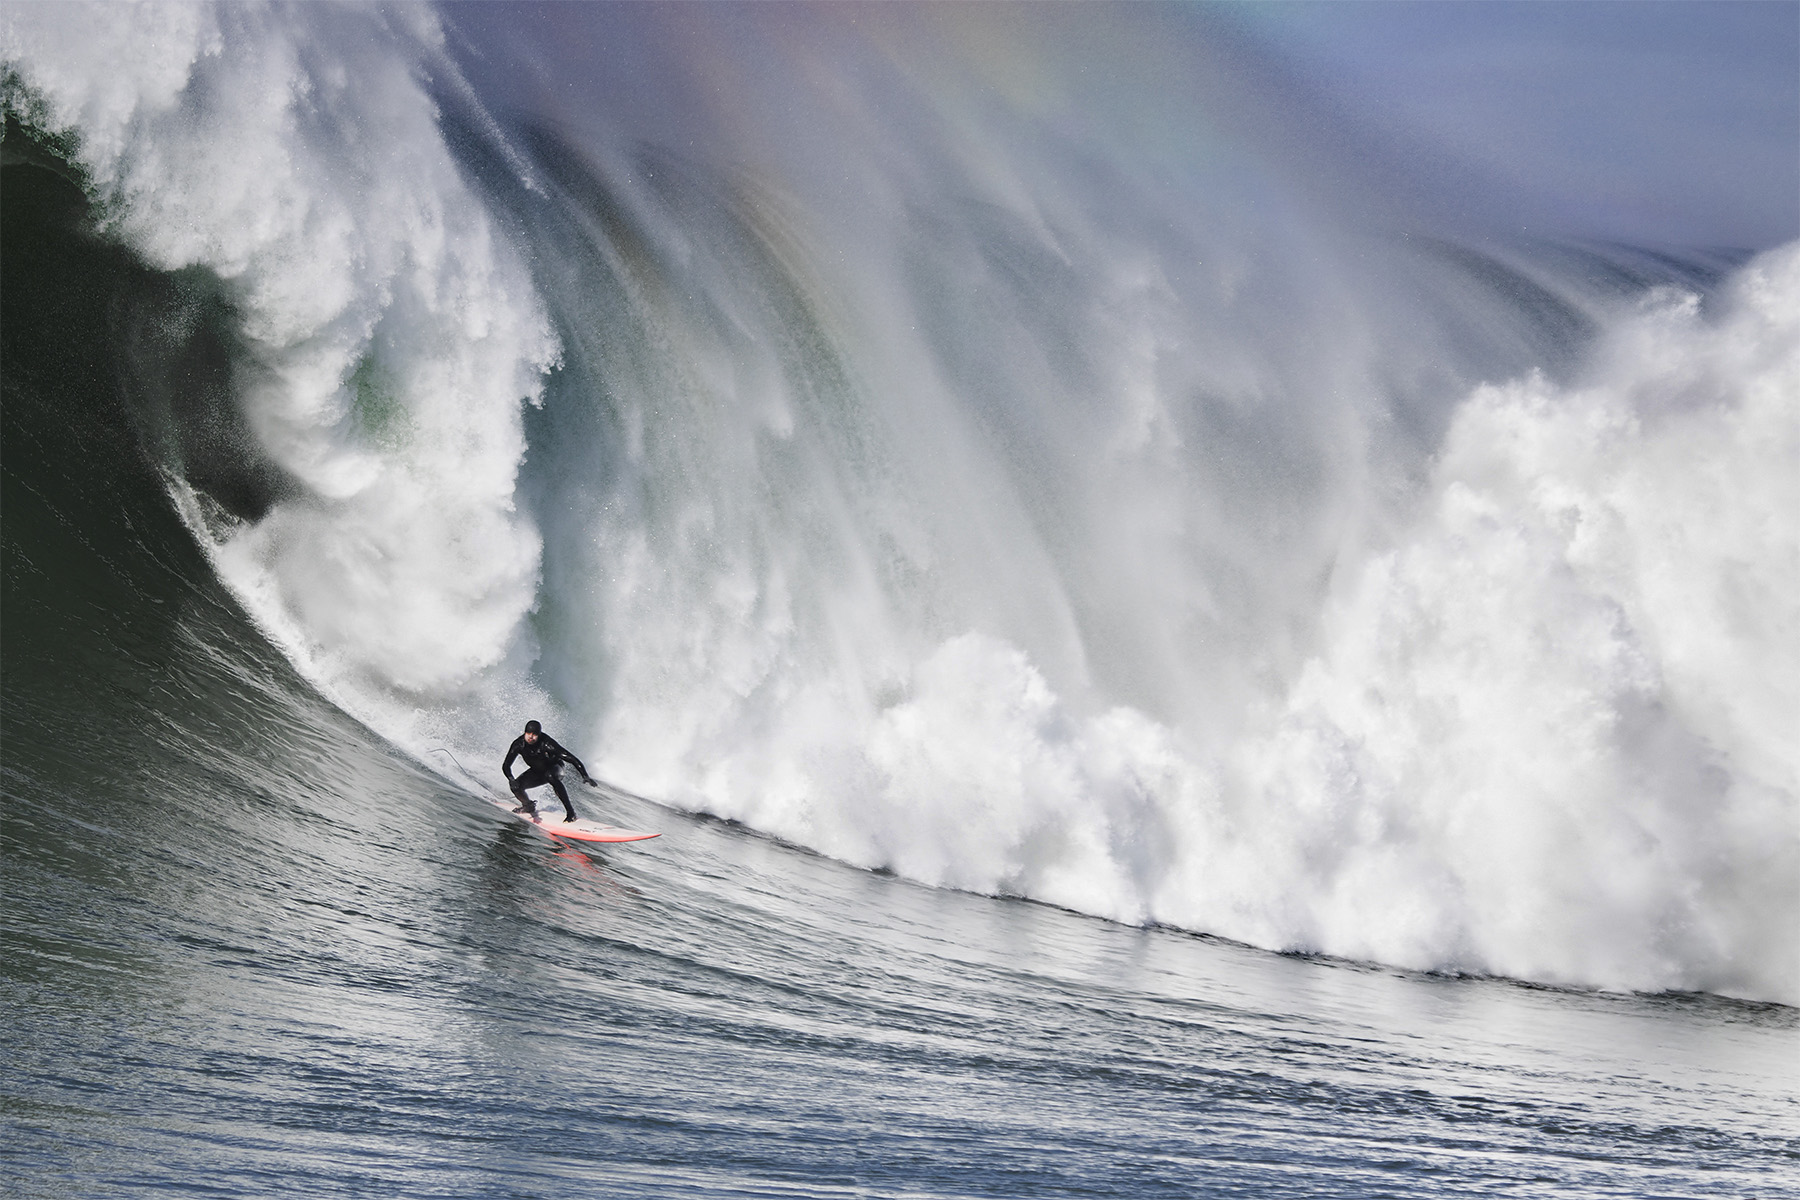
874, 430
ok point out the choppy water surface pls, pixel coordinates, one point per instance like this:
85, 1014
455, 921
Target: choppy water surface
355, 1000
1092, 543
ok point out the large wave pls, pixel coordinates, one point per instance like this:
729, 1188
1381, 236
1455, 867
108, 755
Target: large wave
1187, 524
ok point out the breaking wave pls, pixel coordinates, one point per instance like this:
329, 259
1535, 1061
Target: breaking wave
1181, 527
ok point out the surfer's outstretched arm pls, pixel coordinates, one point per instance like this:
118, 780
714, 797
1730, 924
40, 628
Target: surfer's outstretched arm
585, 777
572, 761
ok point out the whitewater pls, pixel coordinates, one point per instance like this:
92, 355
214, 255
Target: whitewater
1042, 455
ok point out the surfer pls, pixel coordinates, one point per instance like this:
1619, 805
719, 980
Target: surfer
544, 757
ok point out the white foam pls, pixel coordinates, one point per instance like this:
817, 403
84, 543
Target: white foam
1548, 733
389, 337
1552, 734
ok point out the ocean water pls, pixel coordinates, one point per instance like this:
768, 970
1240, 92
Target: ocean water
1174, 651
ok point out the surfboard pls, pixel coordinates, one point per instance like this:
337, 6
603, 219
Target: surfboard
550, 820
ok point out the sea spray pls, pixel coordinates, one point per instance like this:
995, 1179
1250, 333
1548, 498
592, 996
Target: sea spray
1550, 734
1019, 519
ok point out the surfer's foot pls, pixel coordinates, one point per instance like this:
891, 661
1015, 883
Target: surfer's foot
527, 809
568, 818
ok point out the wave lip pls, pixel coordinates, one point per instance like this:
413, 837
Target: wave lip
385, 334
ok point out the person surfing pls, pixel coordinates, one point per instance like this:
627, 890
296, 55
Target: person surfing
543, 757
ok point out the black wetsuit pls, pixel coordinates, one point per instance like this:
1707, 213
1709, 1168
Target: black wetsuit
543, 757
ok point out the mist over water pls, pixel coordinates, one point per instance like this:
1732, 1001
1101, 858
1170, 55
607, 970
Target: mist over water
871, 428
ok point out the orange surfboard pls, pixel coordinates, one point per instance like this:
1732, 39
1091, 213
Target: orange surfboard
551, 821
